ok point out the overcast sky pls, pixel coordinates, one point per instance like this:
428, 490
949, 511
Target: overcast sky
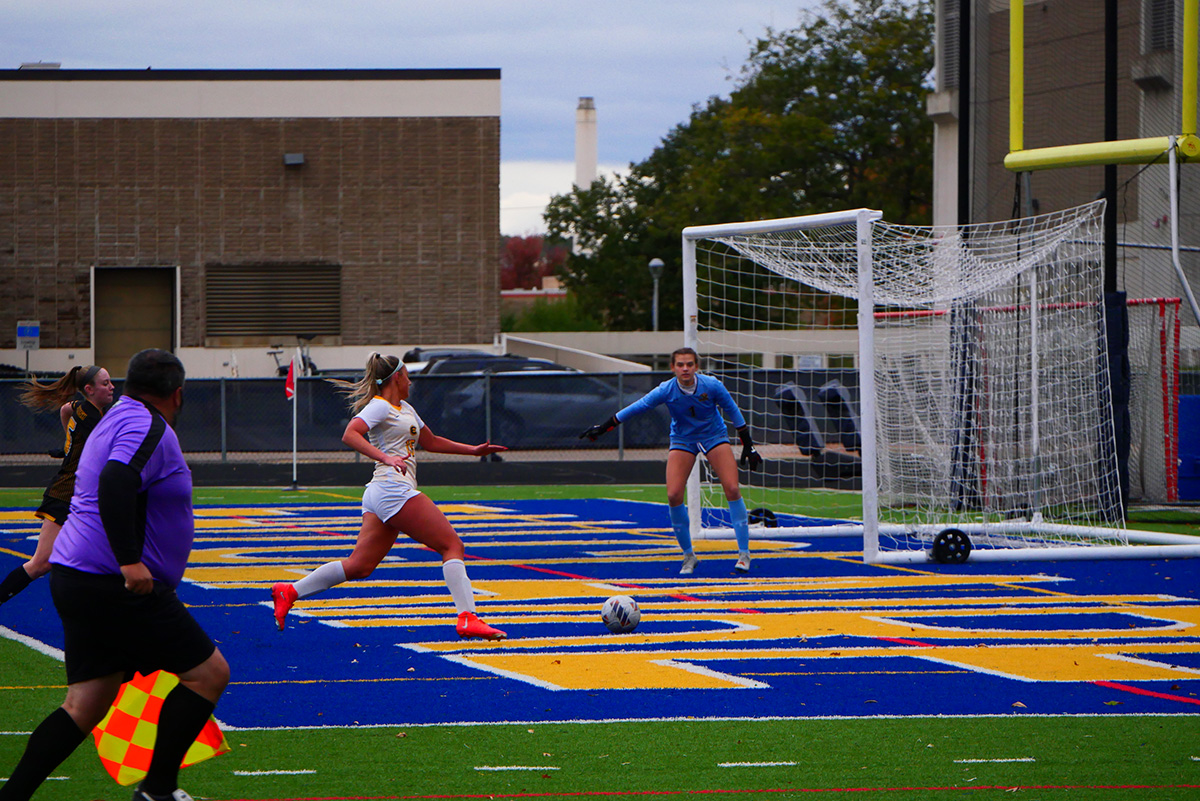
645, 63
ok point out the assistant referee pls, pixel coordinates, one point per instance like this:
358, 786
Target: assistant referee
114, 571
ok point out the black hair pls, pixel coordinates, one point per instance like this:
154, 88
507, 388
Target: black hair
153, 372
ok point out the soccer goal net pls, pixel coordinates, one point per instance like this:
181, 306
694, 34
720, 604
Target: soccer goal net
959, 376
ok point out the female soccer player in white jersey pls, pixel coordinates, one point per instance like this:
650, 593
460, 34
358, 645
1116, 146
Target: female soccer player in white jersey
696, 403
388, 429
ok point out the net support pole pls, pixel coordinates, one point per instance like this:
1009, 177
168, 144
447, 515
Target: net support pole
866, 381
691, 339
1035, 435
1173, 179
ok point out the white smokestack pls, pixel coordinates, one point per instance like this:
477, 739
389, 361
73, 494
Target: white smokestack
585, 142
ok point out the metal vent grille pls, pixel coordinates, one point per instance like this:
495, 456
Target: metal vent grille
948, 32
1161, 18
273, 300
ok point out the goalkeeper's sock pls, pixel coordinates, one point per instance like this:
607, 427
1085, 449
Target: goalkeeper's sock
455, 573
327, 575
13, 583
184, 713
52, 741
682, 526
741, 524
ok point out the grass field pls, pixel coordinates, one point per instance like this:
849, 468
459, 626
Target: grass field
1018, 756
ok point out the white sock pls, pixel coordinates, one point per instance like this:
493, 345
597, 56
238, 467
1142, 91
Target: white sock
455, 573
324, 577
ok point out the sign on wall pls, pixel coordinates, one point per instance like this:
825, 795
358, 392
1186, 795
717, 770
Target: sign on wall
29, 333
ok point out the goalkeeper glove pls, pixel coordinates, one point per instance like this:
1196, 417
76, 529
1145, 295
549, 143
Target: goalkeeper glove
602, 428
750, 458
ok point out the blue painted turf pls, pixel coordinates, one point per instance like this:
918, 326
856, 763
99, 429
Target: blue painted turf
810, 632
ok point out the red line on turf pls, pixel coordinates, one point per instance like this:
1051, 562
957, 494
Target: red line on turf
902, 641
1112, 685
773, 791
625, 584
288, 524
534, 568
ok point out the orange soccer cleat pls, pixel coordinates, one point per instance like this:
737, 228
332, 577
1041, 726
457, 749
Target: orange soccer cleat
471, 626
284, 595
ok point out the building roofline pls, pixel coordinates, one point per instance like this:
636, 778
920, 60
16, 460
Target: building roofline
61, 75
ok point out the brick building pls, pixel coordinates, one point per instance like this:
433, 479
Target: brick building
214, 212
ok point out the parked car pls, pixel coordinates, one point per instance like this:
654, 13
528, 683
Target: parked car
489, 363
417, 359
527, 403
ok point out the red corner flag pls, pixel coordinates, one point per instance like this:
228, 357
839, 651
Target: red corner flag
289, 386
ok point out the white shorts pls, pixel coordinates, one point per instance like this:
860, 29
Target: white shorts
385, 499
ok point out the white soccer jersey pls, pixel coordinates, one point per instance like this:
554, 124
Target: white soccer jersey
393, 430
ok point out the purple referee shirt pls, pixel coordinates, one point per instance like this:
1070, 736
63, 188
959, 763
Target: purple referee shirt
134, 434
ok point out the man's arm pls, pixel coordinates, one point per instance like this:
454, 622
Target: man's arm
118, 490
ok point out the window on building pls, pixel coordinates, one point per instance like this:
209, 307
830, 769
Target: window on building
273, 300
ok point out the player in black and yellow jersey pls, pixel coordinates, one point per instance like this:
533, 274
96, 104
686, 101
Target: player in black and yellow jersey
80, 398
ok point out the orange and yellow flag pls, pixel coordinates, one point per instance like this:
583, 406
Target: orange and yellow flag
125, 738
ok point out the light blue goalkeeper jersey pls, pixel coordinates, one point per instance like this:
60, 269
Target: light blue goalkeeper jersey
695, 417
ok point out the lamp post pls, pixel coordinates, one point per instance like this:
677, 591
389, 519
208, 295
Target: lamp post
656, 271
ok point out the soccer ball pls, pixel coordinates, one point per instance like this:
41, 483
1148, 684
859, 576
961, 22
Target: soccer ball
621, 614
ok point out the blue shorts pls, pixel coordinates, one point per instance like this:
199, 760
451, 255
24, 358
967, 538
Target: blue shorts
701, 446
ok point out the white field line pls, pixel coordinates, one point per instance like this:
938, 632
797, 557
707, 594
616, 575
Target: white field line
513, 767
754, 764
978, 761
273, 772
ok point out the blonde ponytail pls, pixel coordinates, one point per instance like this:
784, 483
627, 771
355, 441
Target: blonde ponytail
378, 370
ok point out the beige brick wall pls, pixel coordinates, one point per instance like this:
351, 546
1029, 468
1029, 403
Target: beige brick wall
409, 207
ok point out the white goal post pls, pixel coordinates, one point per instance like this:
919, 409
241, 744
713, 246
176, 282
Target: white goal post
958, 374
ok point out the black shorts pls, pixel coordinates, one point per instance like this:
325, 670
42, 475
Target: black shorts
108, 629
53, 509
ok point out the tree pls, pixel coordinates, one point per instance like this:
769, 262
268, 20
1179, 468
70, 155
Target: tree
827, 116
528, 259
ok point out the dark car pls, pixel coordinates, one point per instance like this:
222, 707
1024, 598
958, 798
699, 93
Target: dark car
528, 403
417, 359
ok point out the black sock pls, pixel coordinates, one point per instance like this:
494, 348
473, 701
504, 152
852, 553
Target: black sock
13, 583
51, 742
183, 715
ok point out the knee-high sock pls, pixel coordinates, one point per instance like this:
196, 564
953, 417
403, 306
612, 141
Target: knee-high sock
183, 715
327, 575
682, 526
51, 742
455, 573
741, 523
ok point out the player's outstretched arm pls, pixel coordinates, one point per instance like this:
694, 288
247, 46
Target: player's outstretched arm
750, 457
435, 444
600, 429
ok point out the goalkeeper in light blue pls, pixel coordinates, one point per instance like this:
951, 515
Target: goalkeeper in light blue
700, 407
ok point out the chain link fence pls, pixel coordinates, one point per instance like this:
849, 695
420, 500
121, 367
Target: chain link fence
250, 419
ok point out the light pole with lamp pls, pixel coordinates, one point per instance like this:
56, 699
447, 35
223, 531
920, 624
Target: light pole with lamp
656, 271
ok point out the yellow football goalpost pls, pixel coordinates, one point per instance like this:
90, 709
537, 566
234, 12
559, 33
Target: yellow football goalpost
1184, 146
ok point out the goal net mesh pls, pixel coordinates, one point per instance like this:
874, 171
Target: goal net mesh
992, 409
